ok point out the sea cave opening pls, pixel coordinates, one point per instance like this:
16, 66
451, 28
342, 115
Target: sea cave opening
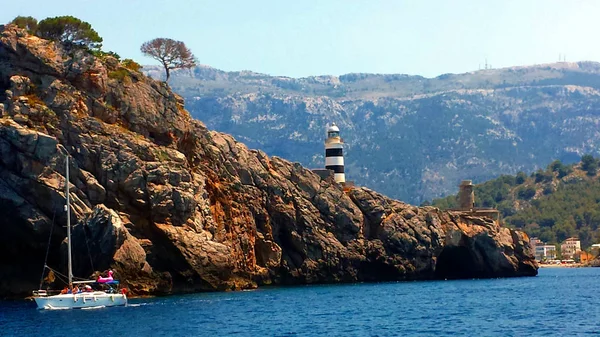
456, 263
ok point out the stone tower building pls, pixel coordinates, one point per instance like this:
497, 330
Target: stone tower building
466, 196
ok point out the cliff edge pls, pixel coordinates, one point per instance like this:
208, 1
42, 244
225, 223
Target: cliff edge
173, 207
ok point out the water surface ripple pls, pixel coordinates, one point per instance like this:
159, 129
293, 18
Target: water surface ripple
558, 302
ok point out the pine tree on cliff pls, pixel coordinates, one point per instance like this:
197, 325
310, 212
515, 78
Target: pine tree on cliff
70, 31
170, 53
26, 22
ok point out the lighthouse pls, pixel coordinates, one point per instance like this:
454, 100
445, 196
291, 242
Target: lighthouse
334, 156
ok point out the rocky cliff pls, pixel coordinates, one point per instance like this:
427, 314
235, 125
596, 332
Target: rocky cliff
174, 207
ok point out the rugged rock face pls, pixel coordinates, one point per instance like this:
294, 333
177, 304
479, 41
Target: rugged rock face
174, 207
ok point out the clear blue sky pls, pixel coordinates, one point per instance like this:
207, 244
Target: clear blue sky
315, 37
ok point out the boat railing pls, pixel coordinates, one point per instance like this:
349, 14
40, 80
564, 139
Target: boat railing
84, 281
42, 292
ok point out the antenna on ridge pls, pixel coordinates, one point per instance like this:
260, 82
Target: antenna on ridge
562, 57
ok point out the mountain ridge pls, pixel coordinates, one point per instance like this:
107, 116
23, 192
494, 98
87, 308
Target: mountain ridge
410, 137
206, 69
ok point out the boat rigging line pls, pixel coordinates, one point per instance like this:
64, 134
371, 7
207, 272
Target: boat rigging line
48, 248
88, 247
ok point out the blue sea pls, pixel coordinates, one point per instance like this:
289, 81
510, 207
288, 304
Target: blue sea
558, 302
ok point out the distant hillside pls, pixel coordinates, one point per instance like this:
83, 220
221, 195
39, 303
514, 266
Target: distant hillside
554, 204
411, 137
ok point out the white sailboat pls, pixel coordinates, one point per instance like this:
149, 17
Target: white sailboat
80, 299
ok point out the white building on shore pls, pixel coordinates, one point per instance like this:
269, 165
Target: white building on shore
542, 251
545, 252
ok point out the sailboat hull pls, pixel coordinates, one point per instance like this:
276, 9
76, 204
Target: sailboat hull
80, 301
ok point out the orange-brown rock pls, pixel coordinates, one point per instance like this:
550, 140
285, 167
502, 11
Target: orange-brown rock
174, 207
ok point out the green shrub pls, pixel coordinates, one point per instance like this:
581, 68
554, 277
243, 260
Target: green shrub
70, 31
119, 74
564, 171
526, 193
542, 176
589, 164
26, 22
102, 54
131, 65
162, 155
520, 178
555, 166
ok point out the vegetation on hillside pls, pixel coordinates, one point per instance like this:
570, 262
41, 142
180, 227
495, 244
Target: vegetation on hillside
68, 30
28, 23
552, 204
73, 33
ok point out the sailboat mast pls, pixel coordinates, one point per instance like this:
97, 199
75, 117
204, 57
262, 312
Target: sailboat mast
68, 209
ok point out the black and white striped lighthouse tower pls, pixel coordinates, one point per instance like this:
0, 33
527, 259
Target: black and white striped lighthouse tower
334, 156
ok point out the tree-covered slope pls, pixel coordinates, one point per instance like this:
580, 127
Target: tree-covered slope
554, 204
410, 137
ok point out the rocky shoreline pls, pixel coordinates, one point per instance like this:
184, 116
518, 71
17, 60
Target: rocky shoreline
173, 207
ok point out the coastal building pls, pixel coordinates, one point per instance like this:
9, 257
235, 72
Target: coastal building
542, 251
570, 247
534, 242
583, 257
595, 249
545, 252
466, 202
